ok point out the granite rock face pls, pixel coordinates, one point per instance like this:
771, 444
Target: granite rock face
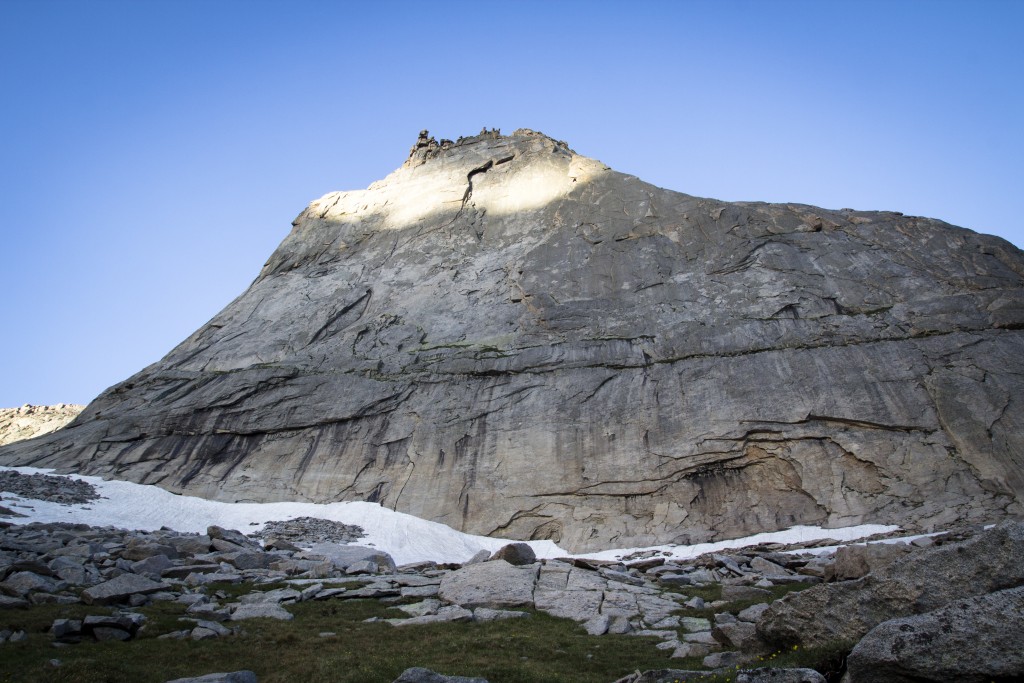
514, 339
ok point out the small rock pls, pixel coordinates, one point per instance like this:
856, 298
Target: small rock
690, 650
597, 625
722, 660
480, 556
752, 613
262, 610
694, 624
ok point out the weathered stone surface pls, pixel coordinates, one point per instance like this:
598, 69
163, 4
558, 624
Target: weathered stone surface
26, 582
249, 560
152, 566
446, 613
261, 610
922, 581
421, 675
970, 641
9, 602
514, 339
515, 553
127, 622
344, 556
740, 635
855, 561
66, 630
232, 677
419, 609
496, 584
120, 589
277, 596
752, 613
232, 536
576, 605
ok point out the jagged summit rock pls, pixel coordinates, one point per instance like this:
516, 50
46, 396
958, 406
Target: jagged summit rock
514, 339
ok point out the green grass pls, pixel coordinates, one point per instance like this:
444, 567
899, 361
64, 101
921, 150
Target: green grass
539, 649
713, 592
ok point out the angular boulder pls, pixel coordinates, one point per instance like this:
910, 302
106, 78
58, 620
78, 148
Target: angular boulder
121, 588
421, 675
496, 585
515, 553
344, 556
857, 560
922, 581
974, 640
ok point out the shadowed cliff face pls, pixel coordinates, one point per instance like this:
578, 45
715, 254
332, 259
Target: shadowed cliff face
510, 338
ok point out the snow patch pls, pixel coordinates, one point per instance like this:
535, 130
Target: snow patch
406, 538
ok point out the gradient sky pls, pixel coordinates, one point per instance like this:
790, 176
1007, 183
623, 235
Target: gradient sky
153, 154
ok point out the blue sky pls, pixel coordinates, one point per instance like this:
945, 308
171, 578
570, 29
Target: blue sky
153, 154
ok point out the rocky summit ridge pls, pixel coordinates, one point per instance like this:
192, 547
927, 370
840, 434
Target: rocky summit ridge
514, 339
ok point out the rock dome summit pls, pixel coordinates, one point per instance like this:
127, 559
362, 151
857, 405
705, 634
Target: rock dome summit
514, 339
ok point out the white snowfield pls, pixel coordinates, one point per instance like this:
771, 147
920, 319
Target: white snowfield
405, 537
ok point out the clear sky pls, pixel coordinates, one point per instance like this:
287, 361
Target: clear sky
154, 153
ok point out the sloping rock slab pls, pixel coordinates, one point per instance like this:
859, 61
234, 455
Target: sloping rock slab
923, 581
261, 610
496, 584
971, 641
344, 556
121, 588
232, 677
421, 675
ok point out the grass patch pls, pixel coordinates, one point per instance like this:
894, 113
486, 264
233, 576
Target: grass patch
539, 649
714, 592
828, 660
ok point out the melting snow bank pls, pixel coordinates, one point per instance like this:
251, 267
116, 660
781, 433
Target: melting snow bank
796, 534
405, 537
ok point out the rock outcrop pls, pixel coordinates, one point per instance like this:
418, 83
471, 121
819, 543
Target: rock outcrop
921, 582
972, 641
18, 424
511, 338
